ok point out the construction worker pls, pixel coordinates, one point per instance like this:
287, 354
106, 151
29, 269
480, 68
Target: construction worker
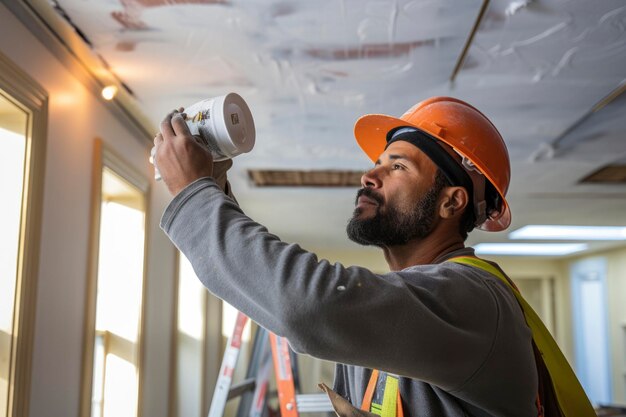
442, 334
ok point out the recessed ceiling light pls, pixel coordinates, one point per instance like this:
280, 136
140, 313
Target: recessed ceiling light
537, 249
109, 92
554, 232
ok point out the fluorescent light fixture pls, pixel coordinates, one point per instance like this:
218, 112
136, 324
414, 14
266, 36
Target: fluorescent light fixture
552, 232
535, 249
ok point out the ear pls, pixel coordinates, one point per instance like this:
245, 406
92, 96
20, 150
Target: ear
453, 201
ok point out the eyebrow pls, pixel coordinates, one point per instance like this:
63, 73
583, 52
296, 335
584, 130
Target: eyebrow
395, 157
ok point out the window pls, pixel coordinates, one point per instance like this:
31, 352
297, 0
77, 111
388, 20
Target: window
113, 361
23, 107
13, 124
197, 344
190, 341
229, 317
203, 325
591, 328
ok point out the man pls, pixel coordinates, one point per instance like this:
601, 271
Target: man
449, 338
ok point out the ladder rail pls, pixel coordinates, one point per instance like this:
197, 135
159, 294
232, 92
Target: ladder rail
268, 349
229, 362
259, 347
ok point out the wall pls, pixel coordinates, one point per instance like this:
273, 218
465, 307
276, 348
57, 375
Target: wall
76, 118
616, 289
616, 294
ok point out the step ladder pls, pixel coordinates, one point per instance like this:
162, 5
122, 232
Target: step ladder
253, 390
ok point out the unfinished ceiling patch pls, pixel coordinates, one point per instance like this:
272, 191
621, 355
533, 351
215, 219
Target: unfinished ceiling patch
298, 178
612, 174
366, 51
130, 16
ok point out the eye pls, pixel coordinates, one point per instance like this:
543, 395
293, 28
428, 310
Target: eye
397, 166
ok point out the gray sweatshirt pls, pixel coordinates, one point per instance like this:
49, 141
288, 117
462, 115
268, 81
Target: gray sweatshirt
454, 333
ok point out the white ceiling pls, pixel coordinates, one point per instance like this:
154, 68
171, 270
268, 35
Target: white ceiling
309, 69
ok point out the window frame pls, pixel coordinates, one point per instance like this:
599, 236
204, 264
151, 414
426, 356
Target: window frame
29, 96
213, 346
105, 157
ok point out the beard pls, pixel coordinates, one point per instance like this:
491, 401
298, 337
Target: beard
391, 226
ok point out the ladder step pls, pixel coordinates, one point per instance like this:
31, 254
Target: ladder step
313, 403
238, 389
258, 374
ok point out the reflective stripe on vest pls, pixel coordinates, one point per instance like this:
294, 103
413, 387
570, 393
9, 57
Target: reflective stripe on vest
570, 395
392, 404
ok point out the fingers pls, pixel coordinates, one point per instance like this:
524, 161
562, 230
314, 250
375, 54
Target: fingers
166, 125
179, 125
174, 124
158, 138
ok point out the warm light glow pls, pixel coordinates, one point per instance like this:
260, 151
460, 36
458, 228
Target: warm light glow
535, 249
191, 305
120, 272
12, 163
4, 388
119, 298
554, 232
12, 174
191, 355
97, 389
229, 318
109, 92
120, 388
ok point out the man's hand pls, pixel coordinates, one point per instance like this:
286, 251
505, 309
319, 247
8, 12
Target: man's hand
179, 158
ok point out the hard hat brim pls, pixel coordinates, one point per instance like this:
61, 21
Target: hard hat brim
371, 131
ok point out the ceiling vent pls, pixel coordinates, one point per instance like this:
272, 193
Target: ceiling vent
297, 178
610, 174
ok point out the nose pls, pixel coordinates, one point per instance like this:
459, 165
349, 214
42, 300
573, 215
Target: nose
371, 179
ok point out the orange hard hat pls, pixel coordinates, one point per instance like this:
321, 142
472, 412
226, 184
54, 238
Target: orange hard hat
462, 127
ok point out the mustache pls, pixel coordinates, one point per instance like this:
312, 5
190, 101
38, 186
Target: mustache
369, 193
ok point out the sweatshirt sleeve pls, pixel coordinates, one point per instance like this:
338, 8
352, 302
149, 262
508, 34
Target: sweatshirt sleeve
412, 323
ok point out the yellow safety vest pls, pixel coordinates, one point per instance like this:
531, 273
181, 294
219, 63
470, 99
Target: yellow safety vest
392, 405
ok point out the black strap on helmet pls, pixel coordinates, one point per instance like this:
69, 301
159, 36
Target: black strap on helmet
458, 173
451, 169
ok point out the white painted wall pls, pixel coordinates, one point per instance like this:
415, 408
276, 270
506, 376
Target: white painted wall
76, 118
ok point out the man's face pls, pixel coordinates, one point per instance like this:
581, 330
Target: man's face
398, 200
